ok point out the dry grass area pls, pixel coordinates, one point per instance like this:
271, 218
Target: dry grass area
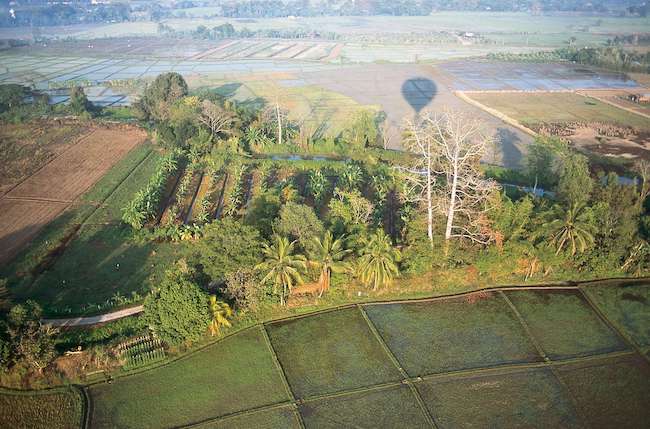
24, 148
41, 197
587, 122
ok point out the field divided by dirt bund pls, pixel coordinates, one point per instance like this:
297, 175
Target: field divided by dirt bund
480, 359
38, 199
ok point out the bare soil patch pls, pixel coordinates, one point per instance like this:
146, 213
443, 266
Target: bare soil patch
24, 148
43, 196
20, 220
70, 174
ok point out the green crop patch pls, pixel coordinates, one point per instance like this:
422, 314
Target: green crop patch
233, 375
330, 352
102, 262
285, 418
627, 305
452, 334
60, 408
521, 398
111, 210
610, 393
389, 408
564, 323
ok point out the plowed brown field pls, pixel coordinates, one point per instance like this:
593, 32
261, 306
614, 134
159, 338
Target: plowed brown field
44, 195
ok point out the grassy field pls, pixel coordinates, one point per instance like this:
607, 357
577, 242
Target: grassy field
344, 377
345, 356
233, 375
52, 409
321, 112
535, 108
389, 408
427, 337
285, 417
619, 398
527, 398
628, 306
564, 325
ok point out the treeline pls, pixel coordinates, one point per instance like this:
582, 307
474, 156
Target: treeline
43, 15
610, 57
226, 31
47, 14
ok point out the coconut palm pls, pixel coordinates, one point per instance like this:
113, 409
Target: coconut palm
281, 265
377, 265
572, 230
328, 255
220, 312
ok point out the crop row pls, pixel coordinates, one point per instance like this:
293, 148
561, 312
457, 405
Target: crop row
144, 206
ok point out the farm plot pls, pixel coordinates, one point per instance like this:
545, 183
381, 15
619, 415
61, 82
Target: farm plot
27, 147
610, 392
390, 408
51, 409
452, 334
70, 174
564, 324
284, 417
587, 122
44, 195
20, 221
236, 374
626, 305
537, 108
330, 352
528, 398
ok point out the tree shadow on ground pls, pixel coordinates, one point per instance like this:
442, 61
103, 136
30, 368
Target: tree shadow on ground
505, 151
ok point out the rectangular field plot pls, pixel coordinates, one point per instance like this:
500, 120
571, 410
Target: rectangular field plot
628, 306
610, 393
452, 334
564, 324
232, 375
284, 417
535, 108
54, 409
394, 407
523, 398
70, 174
330, 352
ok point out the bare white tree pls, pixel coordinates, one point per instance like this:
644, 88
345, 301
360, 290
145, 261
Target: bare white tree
421, 174
642, 168
386, 133
276, 114
448, 148
217, 119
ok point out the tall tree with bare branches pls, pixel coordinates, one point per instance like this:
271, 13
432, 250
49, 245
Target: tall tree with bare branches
216, 118
448, 148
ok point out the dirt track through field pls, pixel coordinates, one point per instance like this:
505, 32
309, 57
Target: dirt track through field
47, 193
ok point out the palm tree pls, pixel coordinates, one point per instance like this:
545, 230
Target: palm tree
220, 312
327, 255
572, 229
281, 265
378, 262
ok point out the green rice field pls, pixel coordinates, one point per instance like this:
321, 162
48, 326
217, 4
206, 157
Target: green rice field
499, 359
